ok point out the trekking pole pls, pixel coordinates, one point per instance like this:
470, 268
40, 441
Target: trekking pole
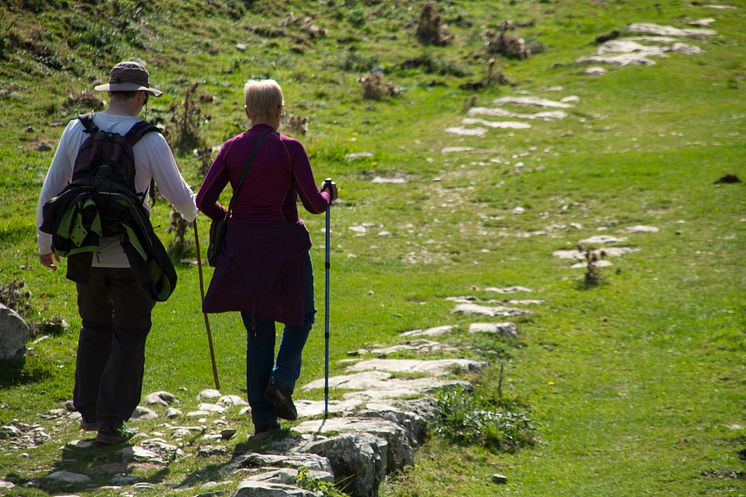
327, 181
207, 320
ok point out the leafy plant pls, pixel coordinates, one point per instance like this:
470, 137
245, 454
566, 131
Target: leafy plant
309, 482
466, 419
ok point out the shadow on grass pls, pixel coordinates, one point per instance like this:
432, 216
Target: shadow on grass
11, 372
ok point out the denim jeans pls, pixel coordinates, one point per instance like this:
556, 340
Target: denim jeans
260, 355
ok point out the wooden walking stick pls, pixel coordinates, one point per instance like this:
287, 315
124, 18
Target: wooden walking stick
207, 320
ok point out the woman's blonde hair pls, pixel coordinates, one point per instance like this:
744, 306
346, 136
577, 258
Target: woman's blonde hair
263, 98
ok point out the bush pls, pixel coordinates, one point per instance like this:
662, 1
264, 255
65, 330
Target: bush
465, 419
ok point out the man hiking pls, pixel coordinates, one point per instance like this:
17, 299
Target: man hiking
89, 212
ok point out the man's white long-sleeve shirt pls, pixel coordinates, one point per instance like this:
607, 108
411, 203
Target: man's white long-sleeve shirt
153, 160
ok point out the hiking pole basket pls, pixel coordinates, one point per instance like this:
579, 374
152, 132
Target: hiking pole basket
327, 181
207, 320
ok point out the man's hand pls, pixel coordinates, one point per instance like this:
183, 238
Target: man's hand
330, 187
49, 260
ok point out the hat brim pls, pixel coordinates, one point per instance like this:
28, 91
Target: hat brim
127, 87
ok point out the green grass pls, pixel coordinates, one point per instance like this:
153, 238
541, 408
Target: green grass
635, 385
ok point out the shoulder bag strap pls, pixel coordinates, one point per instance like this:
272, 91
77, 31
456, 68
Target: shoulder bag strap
247, 165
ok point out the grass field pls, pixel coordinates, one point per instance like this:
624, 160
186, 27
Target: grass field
637, 385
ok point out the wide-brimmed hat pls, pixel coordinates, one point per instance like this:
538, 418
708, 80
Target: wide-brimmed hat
128, 76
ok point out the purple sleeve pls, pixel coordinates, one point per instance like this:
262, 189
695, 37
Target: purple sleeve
314, 201
214, 183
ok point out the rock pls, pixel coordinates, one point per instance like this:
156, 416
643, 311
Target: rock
227, 433
9, 431
252, 488
232, 400
213, 408
6, 484
289, 476
358, 155
499, 479
241, 47
508, 290
570, 99
143, 413
496, 124
429, 332
358, 459
686, 49
398, 388
640, 229
532, 102
607, 252
457, 130
399, 449
313, 408
728, 178
162, 398
476, 309
139, 454
421, 346
173, 412
68, 478
657, 29
702, 23
393, 181
721, 7
208, 394
14, 333
497, 111
162, 448
451, 150
595, 71
414, 422
607, 37
600, 240
246, 411
501, 329
122, 480
212, 450
43, 147
81, 444
289, 459
438, 367
601, 263
197, 414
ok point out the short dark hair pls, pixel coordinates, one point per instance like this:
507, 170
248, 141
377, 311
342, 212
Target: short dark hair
124, 95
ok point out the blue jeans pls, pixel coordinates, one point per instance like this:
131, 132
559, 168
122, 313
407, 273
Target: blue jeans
260, 355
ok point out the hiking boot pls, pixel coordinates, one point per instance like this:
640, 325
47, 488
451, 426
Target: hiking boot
89, 425
110, 435
281, 397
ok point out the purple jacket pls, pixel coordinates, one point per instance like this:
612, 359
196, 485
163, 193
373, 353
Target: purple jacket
262, 268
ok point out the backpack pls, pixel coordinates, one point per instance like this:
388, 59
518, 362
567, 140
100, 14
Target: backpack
106, 162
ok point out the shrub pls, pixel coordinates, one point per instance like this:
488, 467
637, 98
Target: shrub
430, 29
322, 488
375, 87
465, 419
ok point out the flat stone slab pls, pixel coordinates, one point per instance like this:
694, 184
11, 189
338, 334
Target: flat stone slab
397, 389
436, 367
429, 332
452, 150
392, 181
500, 112
501, 329
496, 124
508, 290
420, 346
595, 71
608, 252
360, 381
601, 240
657, 29
601, 263
288, 476
483, 310
640, 229
532, 102
143, 413
232, 401
313, 408
293, 460
209, 394
461, 131
214, 408
252, 488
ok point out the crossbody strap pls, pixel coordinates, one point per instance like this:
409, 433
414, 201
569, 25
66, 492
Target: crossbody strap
247, 165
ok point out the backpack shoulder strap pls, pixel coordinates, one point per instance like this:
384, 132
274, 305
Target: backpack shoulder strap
247, 165
87, 121
139, 130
